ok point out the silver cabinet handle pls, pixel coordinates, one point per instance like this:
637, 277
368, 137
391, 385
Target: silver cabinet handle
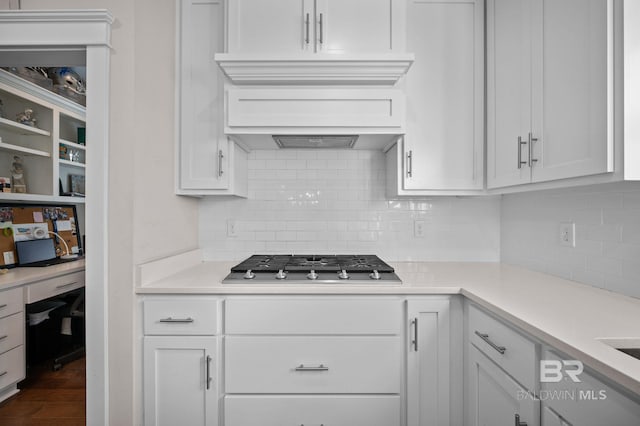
520, 143
320, 367
220, 157
4, 305
321, 40
66, 285
414, 341
306, 31
410, 163
485, 337
4, 373
518, 422
177, 320
3, 337
531, 141
208, 372
302, 424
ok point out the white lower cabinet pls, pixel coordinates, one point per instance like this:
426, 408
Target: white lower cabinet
585, 401
502, 371
428, 362
495, 398
313, 364
12, 348
181, 360
312, 410
179, 382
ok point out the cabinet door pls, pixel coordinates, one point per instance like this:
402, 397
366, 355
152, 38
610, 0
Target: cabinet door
551, 418
428, 363
274, 26
180, 387
354, 26
508, 92
445, 132
203, 146
495, 398
571, 86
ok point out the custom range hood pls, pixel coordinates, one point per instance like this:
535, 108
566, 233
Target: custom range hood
317, 101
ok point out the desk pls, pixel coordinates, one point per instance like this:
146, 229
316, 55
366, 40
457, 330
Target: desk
19, 287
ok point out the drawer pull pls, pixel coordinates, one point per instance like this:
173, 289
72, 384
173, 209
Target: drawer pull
177, 320
414, 341
302, 424
518, 422
320, 367
66, 285
485, 337
4, 305
208, 372
4, 373
3, 337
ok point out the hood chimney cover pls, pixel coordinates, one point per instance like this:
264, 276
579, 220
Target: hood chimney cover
320, 141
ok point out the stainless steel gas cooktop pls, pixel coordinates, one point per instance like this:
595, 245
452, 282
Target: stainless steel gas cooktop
316, 269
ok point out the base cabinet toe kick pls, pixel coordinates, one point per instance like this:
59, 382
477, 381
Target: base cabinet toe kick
357, 360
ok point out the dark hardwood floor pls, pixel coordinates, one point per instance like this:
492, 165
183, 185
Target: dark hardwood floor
48, 398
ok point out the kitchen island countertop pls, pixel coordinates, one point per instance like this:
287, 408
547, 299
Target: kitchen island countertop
564, 314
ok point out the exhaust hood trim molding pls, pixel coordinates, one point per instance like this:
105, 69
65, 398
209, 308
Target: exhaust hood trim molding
318, 69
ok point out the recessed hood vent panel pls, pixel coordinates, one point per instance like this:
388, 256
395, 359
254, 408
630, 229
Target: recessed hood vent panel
319, 141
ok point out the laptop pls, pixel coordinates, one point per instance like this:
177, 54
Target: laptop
40, 252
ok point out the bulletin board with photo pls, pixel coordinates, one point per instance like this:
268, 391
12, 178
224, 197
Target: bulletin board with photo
20, 222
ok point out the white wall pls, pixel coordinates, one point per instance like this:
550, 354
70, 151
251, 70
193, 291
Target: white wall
332, 201
607, 218
147, 221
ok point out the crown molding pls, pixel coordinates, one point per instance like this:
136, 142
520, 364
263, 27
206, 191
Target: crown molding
317, 69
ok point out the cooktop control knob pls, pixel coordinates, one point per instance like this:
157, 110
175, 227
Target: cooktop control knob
249, 275
375, 275
343, 275
281, 275
312, 275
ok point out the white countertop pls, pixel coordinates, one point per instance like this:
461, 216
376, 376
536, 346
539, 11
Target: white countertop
16, 277
566, 315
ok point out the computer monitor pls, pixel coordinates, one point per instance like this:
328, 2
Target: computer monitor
31, 251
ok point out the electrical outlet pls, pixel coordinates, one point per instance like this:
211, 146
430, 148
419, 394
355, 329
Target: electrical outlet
418, 229
232, 230
567, 234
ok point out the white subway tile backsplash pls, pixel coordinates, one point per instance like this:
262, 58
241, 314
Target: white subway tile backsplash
333, 201
607, 219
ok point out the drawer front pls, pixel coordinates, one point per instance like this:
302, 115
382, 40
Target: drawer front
11, 301
587, 402
181, 315
48, 288
491, 336
11, 331
336, 364
12, 366
313, 316
312, 410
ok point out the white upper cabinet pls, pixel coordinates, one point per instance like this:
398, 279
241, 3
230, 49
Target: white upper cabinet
443, 149
550, 90
315, 26
207, 162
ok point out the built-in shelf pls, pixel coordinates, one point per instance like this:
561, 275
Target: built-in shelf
22, 129
23, 150
40, 198
72, 144
72, 163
